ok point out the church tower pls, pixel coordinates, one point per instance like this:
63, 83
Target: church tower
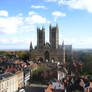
54, 36
40, 38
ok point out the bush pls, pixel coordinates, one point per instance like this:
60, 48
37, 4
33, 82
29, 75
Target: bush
36, 74
76, 91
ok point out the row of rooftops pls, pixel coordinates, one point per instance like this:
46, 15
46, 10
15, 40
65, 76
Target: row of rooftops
55, 86
5, 75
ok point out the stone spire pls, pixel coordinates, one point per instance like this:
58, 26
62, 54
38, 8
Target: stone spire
50, 27
57, 26
31, 47
43, 29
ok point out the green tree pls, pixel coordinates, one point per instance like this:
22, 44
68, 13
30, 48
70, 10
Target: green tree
86, 58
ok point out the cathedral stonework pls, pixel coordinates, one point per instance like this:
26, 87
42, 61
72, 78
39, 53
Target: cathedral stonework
52, 51
40, 38
54, 37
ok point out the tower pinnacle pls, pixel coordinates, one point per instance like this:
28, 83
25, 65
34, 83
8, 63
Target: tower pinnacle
31, 47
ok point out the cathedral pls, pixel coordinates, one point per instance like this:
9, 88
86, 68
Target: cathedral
51, 51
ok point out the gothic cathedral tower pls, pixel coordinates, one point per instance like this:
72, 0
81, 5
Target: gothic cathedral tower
54, 36
40, 38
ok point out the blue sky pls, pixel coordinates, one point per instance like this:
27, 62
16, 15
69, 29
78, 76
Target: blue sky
20, 18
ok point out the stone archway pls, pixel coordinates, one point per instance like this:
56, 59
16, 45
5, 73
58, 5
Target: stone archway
52, 60
40, 59
46, 54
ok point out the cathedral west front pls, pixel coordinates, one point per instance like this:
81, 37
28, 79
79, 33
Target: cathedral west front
51, 51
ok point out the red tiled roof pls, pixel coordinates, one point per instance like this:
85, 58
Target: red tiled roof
11, 70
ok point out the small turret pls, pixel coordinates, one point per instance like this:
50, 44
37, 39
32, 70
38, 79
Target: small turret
57, 26
31, 47
38, 28
43, 29
50, 27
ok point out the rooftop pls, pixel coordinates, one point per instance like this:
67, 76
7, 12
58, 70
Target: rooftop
6, 75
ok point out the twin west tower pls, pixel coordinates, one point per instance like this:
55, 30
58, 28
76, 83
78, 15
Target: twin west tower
49, 51
53, 37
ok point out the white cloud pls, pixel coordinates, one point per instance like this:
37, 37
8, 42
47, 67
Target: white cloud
9, 25
17, 43
32, 13
49, 22
28, 28
38, 7
51, 0
20, 14
76, 43
18, 24
35, 19
57, 14
12, 25
3, 13
14, 41
79, 42
78, 4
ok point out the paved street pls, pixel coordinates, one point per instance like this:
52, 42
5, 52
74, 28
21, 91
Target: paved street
36, 88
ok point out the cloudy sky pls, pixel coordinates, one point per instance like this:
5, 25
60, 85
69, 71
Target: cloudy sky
20, 18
